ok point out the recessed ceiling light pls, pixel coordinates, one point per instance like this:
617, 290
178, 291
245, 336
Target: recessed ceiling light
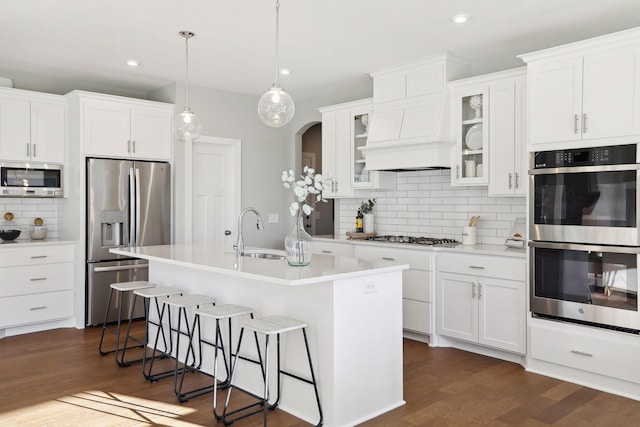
132, 63
285, 71
460, 18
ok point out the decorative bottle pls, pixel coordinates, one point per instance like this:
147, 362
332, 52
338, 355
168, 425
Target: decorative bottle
359, 226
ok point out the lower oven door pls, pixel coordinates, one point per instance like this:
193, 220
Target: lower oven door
589, 283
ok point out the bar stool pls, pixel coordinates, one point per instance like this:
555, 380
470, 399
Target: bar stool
149, 294
181, 303
270, 325
222, 312
121, 289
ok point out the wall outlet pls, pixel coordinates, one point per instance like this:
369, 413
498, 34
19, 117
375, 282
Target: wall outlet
274, 218
370, 287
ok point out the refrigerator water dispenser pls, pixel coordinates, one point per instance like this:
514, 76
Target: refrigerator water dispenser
112, 228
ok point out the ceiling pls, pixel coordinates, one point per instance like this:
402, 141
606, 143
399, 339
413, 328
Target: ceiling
330, 45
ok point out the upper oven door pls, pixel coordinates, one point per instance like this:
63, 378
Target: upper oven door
589, 204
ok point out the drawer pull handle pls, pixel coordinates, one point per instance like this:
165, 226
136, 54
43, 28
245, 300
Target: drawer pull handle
388, 259
38, 308
35, 279
326, 252
477, 267
581, 353
38, 256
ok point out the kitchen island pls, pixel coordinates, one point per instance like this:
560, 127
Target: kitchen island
353, 308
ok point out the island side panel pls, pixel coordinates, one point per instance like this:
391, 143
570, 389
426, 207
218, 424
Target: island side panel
368, 346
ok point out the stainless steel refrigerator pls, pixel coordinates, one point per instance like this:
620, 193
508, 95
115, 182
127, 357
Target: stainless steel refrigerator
128, 204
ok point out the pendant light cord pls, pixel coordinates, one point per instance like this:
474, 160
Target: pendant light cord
186, 46
277, 36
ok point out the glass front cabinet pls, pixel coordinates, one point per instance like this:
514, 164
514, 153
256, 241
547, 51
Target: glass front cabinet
471, 126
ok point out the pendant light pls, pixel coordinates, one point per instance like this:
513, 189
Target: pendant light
276, 108
186, 125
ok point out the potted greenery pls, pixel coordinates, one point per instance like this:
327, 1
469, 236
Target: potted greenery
367, 211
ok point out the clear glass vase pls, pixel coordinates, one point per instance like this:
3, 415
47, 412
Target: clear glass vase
297, 245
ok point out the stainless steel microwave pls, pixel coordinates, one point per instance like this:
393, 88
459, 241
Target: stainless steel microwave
31, 180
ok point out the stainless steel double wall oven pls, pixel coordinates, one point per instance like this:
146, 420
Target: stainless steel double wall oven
584, 232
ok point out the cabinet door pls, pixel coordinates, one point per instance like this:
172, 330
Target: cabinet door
520, 159
14, 129
471, 153
611, 94
336, 153
555, 100
502, 134
502, 311
151, 133
48, 124
106, 128
457, 310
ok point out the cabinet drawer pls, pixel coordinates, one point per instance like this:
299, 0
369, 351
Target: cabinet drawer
24, 309
36, 279
487, 266
416, 285
416, 316
417, 260
36, 255
607, 353
327, 248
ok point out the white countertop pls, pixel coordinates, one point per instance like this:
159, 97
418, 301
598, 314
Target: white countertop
322, 268
460, 249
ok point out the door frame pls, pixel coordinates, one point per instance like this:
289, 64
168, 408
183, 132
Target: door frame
236, 146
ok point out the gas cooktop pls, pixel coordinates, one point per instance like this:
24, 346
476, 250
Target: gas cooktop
433, 241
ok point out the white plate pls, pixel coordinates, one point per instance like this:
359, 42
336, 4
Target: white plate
473, 139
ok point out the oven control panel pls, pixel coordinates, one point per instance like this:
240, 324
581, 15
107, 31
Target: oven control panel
593, 156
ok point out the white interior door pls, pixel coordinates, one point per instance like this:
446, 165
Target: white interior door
215, 190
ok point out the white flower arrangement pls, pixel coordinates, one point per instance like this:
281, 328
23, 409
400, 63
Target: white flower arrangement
310, 183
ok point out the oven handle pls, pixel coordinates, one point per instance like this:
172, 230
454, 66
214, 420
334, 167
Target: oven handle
581, 247
582, 169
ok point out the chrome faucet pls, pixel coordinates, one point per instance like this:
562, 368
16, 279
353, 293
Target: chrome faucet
239, 246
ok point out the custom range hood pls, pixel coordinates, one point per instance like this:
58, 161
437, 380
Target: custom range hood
409, 128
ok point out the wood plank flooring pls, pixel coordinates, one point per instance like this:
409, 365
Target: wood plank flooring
57, 378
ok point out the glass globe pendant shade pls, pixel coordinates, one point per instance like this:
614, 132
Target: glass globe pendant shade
187, 126
276, 107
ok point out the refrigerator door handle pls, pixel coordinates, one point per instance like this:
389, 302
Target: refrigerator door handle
132, 209
120, 268
137, 206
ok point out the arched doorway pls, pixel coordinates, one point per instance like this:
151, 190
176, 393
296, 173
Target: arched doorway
321, 220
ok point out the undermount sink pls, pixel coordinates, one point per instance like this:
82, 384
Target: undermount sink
265, 255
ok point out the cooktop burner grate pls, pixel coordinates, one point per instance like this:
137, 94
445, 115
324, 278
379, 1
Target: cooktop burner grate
415, 240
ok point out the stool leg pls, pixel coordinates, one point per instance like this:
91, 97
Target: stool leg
104, 324
233, 375
118, 329
313, 377
266, 376
122, 363
215, 369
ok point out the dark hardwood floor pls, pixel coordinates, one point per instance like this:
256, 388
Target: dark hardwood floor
57, 378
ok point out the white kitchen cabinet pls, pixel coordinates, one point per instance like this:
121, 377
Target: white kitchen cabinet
482, 300
32, 126
587, 90
416, 284
508, 136
471, 124
123, 127
344, 130
37, 284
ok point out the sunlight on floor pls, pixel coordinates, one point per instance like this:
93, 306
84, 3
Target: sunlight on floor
98, 408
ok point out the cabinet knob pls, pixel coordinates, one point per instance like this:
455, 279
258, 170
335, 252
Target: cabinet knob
517, 180
510, 179
575, 123
227, 232
584, 123
473, 290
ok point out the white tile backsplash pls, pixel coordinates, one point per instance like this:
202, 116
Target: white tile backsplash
26, 210
425, 204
